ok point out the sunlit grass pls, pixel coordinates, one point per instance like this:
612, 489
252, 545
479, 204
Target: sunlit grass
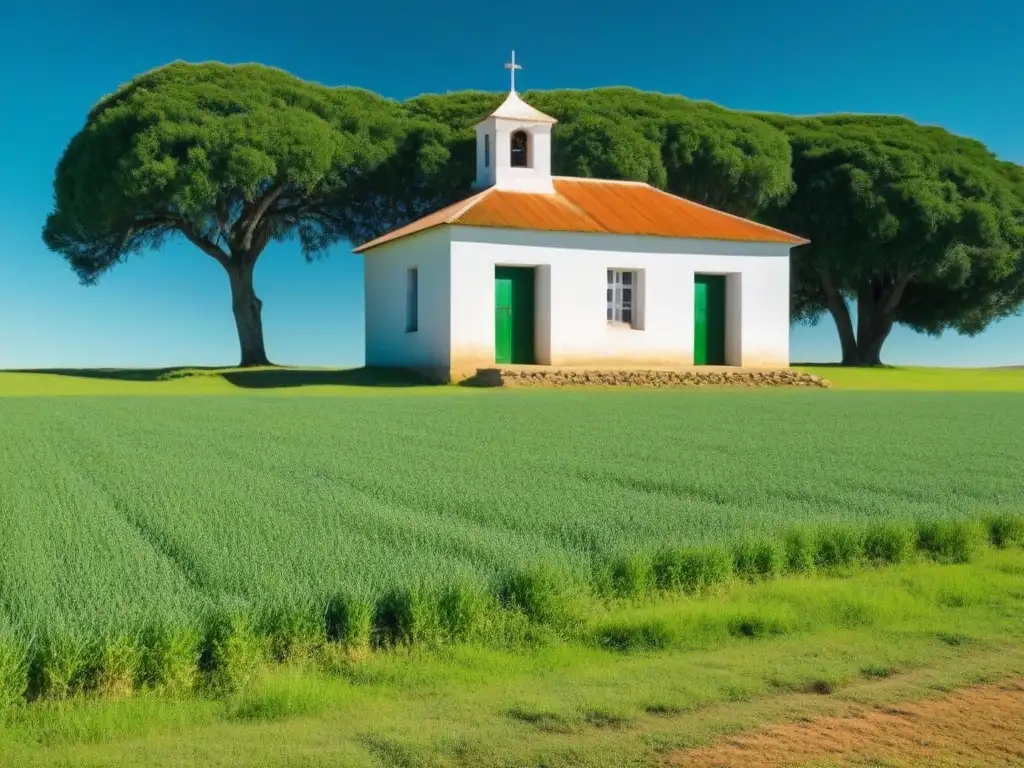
909, 378
148, 539
884, 635
325, 381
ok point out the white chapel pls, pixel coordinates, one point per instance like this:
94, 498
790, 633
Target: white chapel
535, 269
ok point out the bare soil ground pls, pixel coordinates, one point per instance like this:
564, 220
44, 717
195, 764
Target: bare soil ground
979, 726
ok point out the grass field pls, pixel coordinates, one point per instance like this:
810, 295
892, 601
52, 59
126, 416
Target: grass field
594, 578
320, 381
835, 646
922, 379
146, 537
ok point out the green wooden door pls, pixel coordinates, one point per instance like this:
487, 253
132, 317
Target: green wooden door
502, 320
513, 315
709, 320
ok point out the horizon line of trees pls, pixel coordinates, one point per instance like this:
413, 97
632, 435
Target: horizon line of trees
909, 224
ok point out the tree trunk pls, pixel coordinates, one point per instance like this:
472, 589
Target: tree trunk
876, 313
841, 315
247, 309
869, 348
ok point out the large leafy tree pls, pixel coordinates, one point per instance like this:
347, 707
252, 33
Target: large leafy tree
227, 157
233, 157
908, 224
706, 153
434, 165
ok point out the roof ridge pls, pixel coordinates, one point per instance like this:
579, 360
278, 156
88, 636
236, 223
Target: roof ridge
730, 215
592, 180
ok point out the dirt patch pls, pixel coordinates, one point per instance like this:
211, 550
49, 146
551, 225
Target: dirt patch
983, 725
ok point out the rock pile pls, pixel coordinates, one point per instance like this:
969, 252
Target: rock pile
556, 377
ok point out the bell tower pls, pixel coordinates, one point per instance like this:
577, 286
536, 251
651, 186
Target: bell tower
513, 145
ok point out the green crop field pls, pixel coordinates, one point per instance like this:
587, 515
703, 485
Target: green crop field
137, 529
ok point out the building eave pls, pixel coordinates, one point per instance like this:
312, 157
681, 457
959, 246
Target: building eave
578, 208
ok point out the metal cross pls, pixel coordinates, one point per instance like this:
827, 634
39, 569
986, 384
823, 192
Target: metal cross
513, 67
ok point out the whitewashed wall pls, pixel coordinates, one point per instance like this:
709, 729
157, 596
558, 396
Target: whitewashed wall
571, 304
386, 268
500, 173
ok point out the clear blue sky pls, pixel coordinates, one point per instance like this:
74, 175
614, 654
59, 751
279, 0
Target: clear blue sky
956, 64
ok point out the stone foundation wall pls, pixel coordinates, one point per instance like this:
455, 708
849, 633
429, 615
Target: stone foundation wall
555, 377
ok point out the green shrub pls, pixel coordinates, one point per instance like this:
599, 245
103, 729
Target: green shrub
1006, 530
838, 546
800, 548
234, 654
292, 631
406, 616
462, 609
170, 657
115, 666
888, 543
546, 594
14, 652
630, 576
691, 569
758, 559
348, 621
951, 541
61, 663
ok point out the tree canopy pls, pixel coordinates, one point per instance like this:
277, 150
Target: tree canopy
229, 157
909, 223
695, 149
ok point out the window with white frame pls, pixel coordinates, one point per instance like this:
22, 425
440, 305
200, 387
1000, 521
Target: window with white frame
412, 300
622, 298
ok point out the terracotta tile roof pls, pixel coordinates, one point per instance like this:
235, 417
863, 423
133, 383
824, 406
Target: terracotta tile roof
592, 205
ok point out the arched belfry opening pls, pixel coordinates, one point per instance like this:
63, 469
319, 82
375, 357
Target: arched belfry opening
520, 144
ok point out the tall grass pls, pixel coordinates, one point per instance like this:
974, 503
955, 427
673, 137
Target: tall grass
1005, 530
236, 643
177, 544
952, 541
14, 655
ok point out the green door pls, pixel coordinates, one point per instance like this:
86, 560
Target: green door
513, 315
709, 320
502, 320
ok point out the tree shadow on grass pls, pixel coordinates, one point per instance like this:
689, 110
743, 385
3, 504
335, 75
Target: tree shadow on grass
881, 367
116, 374
276, 378
484, 377
257, 378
